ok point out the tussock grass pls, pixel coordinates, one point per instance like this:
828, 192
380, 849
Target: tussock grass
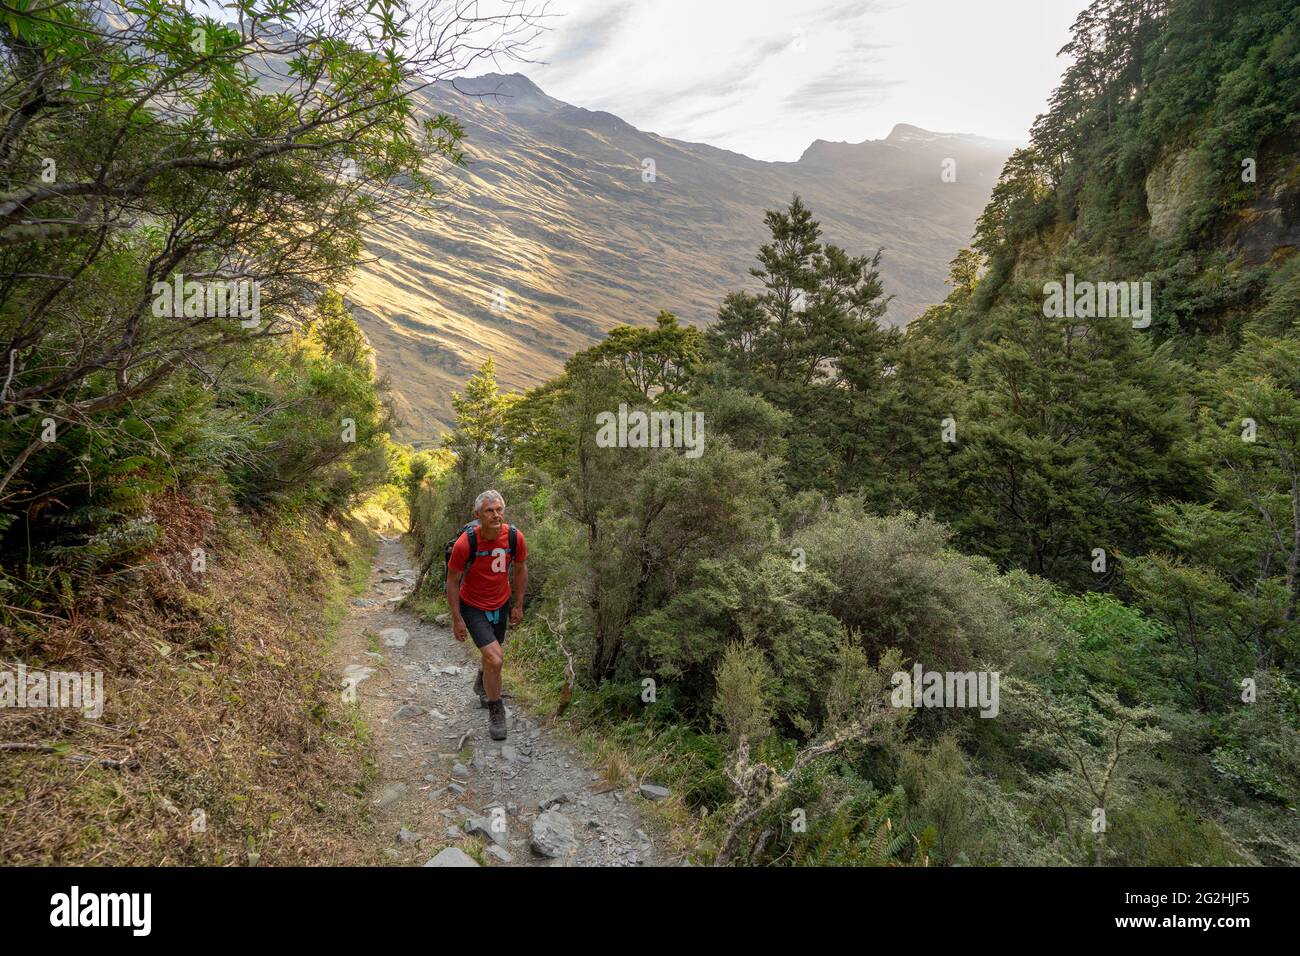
219, 696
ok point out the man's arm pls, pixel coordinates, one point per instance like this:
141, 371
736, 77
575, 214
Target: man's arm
454, 578
517, 588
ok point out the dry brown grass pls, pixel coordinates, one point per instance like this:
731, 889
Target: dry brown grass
219, 696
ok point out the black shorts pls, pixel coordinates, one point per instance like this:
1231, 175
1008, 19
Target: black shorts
483, 631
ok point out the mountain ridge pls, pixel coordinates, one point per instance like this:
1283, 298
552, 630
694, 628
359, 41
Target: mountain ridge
566, 222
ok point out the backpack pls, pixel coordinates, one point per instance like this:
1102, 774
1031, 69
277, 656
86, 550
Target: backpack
471, 530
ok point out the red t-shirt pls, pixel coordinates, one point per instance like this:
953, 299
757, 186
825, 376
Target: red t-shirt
487, 585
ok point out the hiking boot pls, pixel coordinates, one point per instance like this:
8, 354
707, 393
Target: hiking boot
496, 720
478, 689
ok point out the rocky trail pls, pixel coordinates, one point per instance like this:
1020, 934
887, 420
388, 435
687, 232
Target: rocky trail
530, 800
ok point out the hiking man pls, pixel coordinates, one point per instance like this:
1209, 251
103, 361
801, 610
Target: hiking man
482, 597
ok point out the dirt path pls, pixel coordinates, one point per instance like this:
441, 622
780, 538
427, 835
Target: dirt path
442, 782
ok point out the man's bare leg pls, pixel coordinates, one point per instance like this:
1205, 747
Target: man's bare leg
492, 657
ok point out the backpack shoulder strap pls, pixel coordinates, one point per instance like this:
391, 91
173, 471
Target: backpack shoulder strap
514, 540
473, 546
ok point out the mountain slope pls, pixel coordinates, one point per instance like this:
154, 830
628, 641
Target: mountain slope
553, 235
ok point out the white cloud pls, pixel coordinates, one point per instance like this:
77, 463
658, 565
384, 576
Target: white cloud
766, 80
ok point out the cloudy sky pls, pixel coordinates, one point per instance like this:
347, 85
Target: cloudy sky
766, 79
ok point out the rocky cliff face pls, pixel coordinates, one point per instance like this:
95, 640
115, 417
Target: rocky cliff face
569, 221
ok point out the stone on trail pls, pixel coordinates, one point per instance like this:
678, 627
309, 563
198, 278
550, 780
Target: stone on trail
652, 791
553, 801
356, 673
553, 835
483, 826
452, 856
460, 771
409, 710
453, 833
390, 793
394, 637
442, 620
509, 753
406, 836
501, 854
456, 788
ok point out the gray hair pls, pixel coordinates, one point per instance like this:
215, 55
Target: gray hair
488, 496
